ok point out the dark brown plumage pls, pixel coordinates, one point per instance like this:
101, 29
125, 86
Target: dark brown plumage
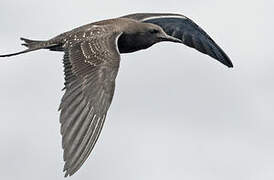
91, 63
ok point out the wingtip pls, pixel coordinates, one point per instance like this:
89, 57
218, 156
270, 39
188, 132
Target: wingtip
65, 170
223, 58
228, 63
66, 174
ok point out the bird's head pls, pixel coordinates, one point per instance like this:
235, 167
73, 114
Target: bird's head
139, 36
157, 34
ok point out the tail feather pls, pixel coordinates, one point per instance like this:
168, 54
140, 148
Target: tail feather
17, 53
32, 45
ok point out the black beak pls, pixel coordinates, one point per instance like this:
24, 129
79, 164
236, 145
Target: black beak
170, 38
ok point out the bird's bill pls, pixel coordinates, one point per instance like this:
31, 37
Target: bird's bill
171, 38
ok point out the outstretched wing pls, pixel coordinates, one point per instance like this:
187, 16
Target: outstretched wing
190, 33
91, 63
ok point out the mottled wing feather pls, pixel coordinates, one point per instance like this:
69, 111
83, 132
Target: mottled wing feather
91, 66
69, 76
190, 33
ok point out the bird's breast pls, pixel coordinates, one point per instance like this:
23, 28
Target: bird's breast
128, 43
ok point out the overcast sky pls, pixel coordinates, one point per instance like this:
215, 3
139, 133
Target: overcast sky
176, 113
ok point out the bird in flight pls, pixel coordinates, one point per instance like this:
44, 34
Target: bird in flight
91, 62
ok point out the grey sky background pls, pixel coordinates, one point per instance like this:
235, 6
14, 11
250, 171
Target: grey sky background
176, 113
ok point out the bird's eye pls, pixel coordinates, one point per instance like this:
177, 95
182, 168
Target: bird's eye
154, 31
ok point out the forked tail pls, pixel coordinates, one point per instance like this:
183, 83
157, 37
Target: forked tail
32, 45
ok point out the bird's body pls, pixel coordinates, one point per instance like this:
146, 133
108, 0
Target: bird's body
91, 63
